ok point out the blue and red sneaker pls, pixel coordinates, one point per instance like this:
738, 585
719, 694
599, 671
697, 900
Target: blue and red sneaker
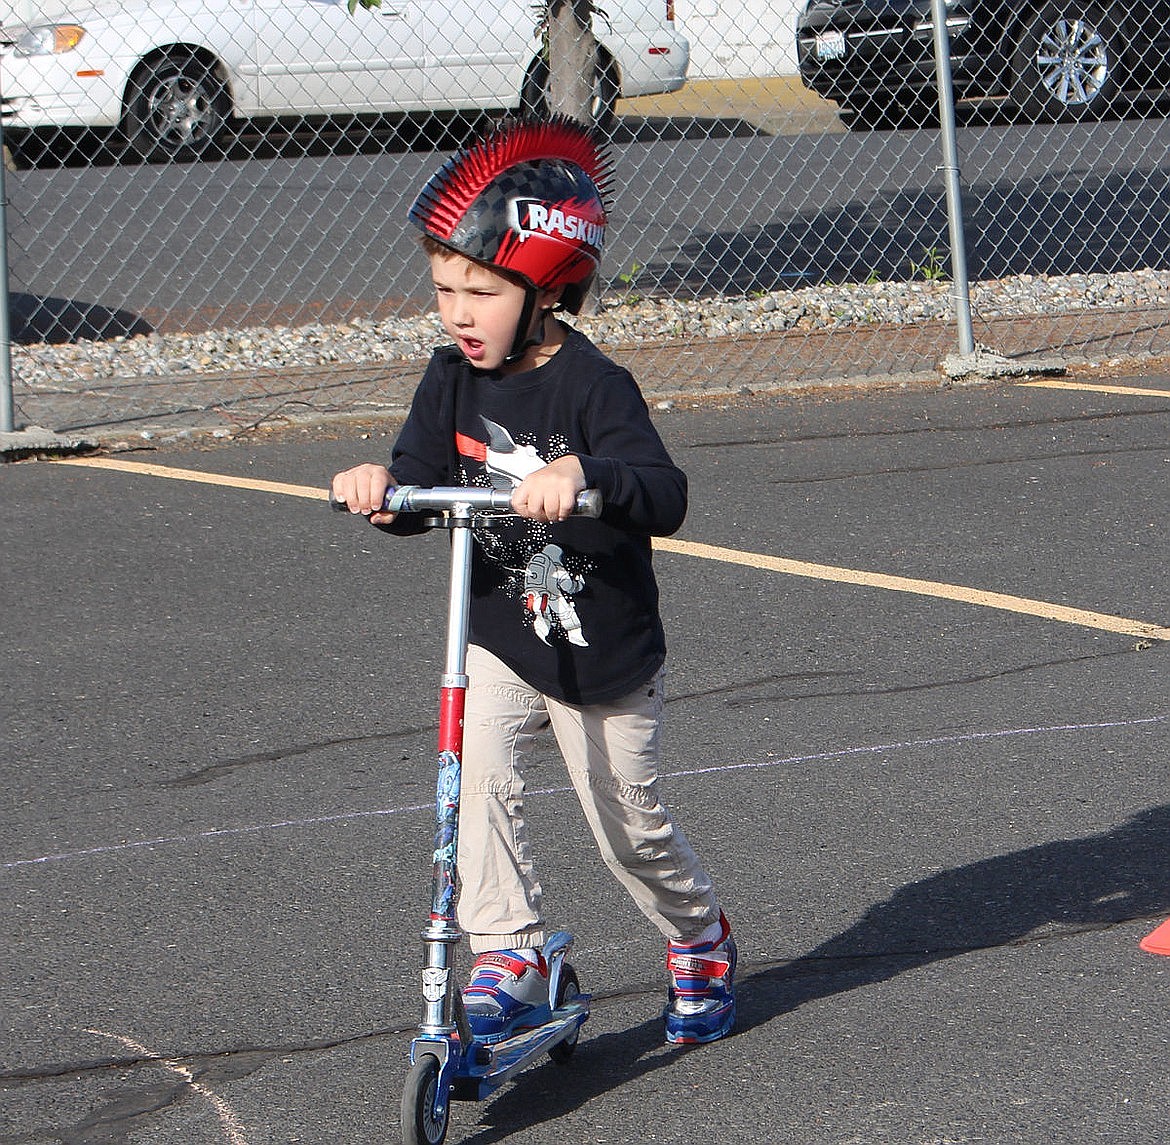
508, 991
701, 1005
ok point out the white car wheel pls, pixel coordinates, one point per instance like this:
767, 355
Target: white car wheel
175, 108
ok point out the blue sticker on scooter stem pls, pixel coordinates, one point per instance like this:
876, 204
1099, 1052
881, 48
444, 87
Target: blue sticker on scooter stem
446, 834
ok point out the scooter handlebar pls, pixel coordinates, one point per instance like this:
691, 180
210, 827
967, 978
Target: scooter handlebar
415, 498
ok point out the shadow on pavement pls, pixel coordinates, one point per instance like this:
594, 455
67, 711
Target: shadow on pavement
1055, 889
1052, 890
1017, 226
34, 318
600, 1065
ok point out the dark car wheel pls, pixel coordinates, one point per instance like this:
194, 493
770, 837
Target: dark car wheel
175, 108
534, 100
1067, 63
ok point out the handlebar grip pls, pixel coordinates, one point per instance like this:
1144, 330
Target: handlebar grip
590, 503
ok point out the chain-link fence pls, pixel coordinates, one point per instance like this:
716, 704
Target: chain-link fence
206, 200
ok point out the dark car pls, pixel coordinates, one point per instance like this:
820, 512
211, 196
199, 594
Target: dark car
1047, 59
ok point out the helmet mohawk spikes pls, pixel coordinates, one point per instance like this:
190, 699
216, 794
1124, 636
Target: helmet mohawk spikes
445, 200
527, 199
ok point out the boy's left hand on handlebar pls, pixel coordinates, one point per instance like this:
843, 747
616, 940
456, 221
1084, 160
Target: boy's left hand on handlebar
550, 494
363, 489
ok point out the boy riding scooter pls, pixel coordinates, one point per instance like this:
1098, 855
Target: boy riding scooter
564, 629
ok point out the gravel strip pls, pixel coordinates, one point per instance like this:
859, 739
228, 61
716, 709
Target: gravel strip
622, 322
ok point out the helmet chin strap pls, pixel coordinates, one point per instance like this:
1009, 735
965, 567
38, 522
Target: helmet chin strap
523, 339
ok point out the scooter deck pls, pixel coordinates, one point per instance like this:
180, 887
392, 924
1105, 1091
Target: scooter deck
498, 1063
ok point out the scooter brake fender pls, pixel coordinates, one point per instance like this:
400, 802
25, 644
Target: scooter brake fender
449, 1053
555, 950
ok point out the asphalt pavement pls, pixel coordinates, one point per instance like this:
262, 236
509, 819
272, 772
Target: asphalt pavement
918, 729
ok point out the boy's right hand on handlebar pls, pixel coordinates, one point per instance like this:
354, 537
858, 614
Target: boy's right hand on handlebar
363, 488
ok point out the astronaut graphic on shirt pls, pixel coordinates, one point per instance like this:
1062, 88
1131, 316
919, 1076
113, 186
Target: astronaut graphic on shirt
548, 586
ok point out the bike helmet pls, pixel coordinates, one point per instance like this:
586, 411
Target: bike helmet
529, 199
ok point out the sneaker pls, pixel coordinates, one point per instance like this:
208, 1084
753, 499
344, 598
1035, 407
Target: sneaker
506, 993
701, 1005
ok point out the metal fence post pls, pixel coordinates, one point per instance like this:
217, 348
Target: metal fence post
950, 169
7, 413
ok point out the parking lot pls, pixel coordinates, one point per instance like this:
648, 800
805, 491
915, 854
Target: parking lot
917, 727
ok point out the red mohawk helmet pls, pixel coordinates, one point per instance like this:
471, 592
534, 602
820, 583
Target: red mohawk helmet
529, 199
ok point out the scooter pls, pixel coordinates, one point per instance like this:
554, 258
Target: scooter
447, 1061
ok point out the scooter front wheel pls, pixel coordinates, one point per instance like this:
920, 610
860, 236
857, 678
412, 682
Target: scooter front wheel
421, 1125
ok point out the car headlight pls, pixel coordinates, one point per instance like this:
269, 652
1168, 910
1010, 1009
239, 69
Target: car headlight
49, 39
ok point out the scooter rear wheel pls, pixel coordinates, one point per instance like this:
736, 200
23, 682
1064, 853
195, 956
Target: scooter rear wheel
420, 1124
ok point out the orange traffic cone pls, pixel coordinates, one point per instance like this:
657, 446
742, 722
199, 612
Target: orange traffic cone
1159, 941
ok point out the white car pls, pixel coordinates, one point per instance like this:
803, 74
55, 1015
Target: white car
171, 73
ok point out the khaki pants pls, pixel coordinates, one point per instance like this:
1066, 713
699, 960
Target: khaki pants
611, 752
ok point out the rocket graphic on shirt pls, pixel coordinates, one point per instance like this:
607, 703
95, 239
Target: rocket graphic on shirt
548, 586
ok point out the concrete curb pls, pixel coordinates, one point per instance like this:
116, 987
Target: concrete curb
36, 441
987, 364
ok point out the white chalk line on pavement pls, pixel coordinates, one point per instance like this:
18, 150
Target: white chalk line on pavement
742, 765
230, 1124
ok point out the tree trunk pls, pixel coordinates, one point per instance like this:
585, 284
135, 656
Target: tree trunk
572, 61
572, 53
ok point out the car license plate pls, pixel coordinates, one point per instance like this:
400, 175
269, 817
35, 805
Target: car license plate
830, 45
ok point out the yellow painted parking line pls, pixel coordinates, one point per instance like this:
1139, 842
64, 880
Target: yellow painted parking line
1097, 388
938, 589
196, 475
964, 595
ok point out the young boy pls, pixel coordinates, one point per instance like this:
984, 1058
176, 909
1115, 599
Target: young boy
564, 629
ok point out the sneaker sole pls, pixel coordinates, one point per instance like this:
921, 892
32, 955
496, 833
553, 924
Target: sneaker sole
678, 1038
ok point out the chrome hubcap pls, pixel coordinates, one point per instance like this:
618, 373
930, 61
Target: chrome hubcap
180, 109
1073, 61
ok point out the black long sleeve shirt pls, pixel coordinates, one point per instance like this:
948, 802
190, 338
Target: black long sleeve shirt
572, 608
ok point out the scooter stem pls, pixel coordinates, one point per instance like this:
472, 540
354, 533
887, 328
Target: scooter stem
442, 934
